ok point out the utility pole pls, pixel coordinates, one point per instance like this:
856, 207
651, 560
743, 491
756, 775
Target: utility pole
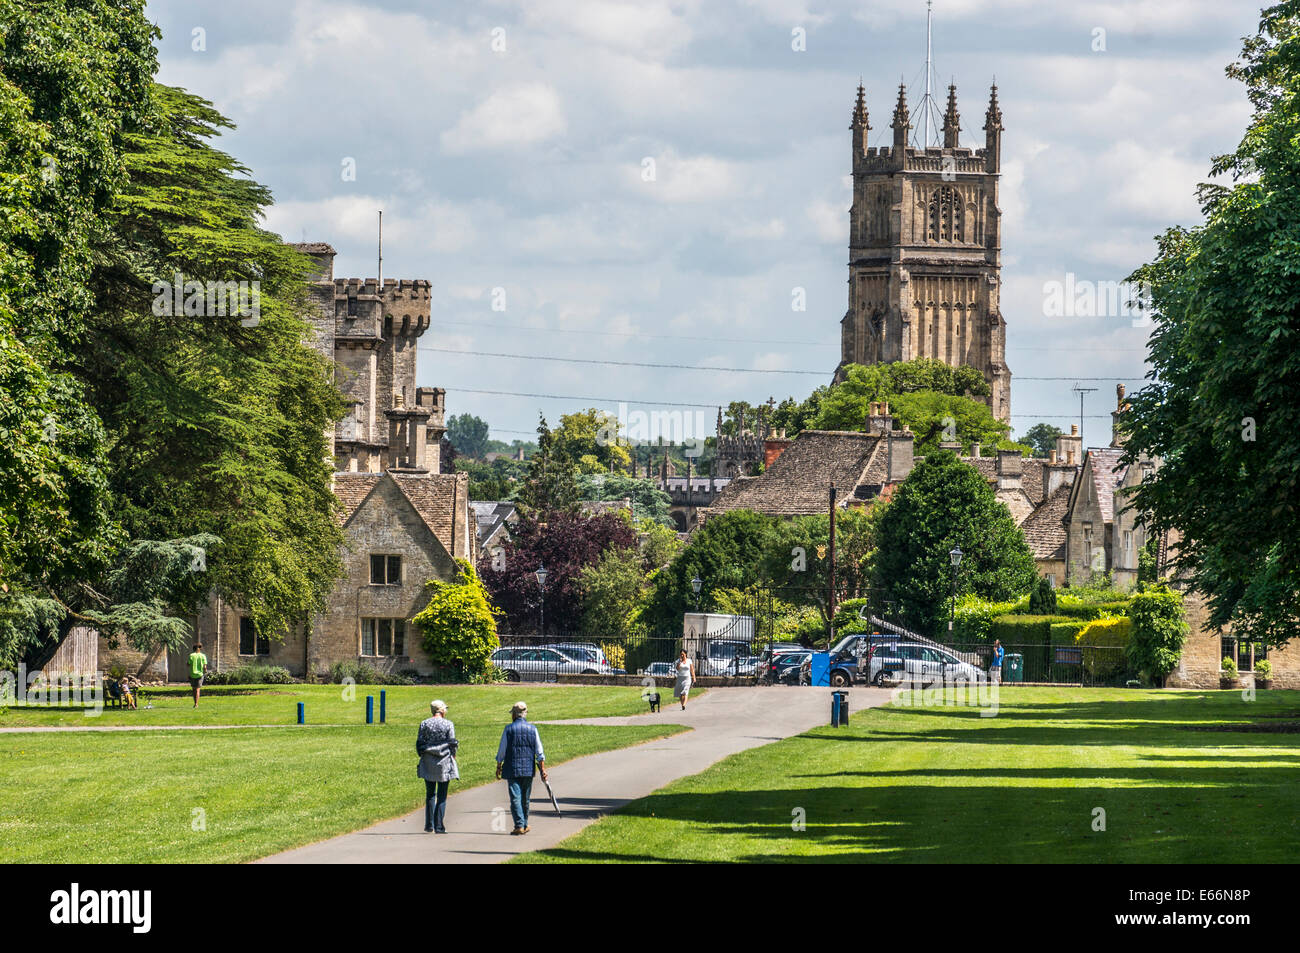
1081, 391
381, 251
830, 615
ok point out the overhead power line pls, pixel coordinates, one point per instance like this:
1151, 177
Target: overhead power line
695, 367
635, 334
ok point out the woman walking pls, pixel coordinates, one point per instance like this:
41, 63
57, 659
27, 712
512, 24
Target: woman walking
436, 744
685, 675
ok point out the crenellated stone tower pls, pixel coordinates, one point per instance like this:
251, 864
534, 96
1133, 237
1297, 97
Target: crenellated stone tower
925, 250
370, 333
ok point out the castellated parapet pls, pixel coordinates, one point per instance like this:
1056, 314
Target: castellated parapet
370, 332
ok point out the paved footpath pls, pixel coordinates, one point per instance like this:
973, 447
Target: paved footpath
725, 721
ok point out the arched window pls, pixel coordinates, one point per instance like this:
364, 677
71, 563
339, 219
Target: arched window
945, 215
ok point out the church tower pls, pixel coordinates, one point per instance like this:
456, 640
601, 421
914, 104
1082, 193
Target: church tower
925, 249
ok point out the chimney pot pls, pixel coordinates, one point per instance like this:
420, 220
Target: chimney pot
1051, 457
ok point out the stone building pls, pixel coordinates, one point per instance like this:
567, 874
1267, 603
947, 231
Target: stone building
404, 521
925, 250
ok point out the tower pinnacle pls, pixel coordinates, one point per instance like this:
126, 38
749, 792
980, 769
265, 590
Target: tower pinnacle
951, 120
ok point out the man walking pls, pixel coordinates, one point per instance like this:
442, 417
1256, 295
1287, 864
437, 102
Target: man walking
995, 670
518, 756
198, 668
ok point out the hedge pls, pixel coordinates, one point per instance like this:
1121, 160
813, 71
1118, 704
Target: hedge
1077, 609
1102, 633
1031, 635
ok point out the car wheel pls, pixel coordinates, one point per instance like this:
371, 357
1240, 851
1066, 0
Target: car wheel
512, 676
590, 672
881, 679
839, 679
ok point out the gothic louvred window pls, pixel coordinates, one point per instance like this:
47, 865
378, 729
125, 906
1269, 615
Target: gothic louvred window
946, 215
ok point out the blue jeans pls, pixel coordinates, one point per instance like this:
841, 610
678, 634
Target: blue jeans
520, 791
435, 805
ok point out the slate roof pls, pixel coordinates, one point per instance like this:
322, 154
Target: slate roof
1105, 478
1033, 471
796, 483
491, 517
1045, 528
436, 497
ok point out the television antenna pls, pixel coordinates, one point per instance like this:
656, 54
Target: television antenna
1081, 391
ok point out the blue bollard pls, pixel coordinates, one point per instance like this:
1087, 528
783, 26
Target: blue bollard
383, 706
835, 709
370, 709
302, 713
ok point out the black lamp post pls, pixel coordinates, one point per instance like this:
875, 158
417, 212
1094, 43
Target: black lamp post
696, 584
541, 574
954, 556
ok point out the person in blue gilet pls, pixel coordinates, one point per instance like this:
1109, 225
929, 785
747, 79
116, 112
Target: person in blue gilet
995, 670
518, 756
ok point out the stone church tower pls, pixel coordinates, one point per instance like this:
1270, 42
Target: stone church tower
925, 250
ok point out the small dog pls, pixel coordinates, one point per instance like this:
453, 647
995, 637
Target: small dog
653, 699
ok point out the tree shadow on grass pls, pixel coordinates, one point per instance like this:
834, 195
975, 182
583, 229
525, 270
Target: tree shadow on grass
971, 823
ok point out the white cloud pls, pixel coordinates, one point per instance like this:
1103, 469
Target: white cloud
507, 119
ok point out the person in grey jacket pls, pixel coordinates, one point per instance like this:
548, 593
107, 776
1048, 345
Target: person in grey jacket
436, 745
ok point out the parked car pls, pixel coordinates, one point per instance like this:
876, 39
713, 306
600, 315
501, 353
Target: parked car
580, 650
844, 657
728, 657
660, 669
785, 667
539, 663
915, 663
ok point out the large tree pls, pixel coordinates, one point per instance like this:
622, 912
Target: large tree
1225, 351
468, 434
566, 544
945, 504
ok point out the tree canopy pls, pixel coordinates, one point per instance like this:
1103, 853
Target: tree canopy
944, 504
1220, 409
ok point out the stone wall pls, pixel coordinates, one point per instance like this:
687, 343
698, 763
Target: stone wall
1203, 653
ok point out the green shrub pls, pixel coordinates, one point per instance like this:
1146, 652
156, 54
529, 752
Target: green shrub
1159, 631
1042, 599
1098, 636
1070, 604
251, 673
459, 625
975, 617
1229, 666
1063, 633
1264, 669
363, 673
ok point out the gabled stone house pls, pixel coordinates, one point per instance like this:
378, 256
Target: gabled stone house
404, 522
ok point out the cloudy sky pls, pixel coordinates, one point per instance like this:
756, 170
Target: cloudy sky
506, 143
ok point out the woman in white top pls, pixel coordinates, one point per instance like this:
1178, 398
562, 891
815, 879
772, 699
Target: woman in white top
685, 675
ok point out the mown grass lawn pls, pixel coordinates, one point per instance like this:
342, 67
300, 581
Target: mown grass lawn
138, 796
907, 784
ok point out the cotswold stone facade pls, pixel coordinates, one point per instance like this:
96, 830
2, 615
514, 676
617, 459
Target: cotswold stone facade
404, 522
1205, 648
925, 250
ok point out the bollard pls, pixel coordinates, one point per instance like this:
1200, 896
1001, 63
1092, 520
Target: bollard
844, 709
383, 706
302, 713
835, 709
370, 709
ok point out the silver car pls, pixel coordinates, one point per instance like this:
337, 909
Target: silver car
539, 664
917, 664
582, 650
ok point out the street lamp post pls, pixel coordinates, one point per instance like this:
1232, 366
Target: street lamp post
696, 584
954, 556
541, 573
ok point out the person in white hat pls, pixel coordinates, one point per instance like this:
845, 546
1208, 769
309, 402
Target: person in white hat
519, 756
436, 745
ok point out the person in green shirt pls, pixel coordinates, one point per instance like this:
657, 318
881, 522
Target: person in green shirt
198, 667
